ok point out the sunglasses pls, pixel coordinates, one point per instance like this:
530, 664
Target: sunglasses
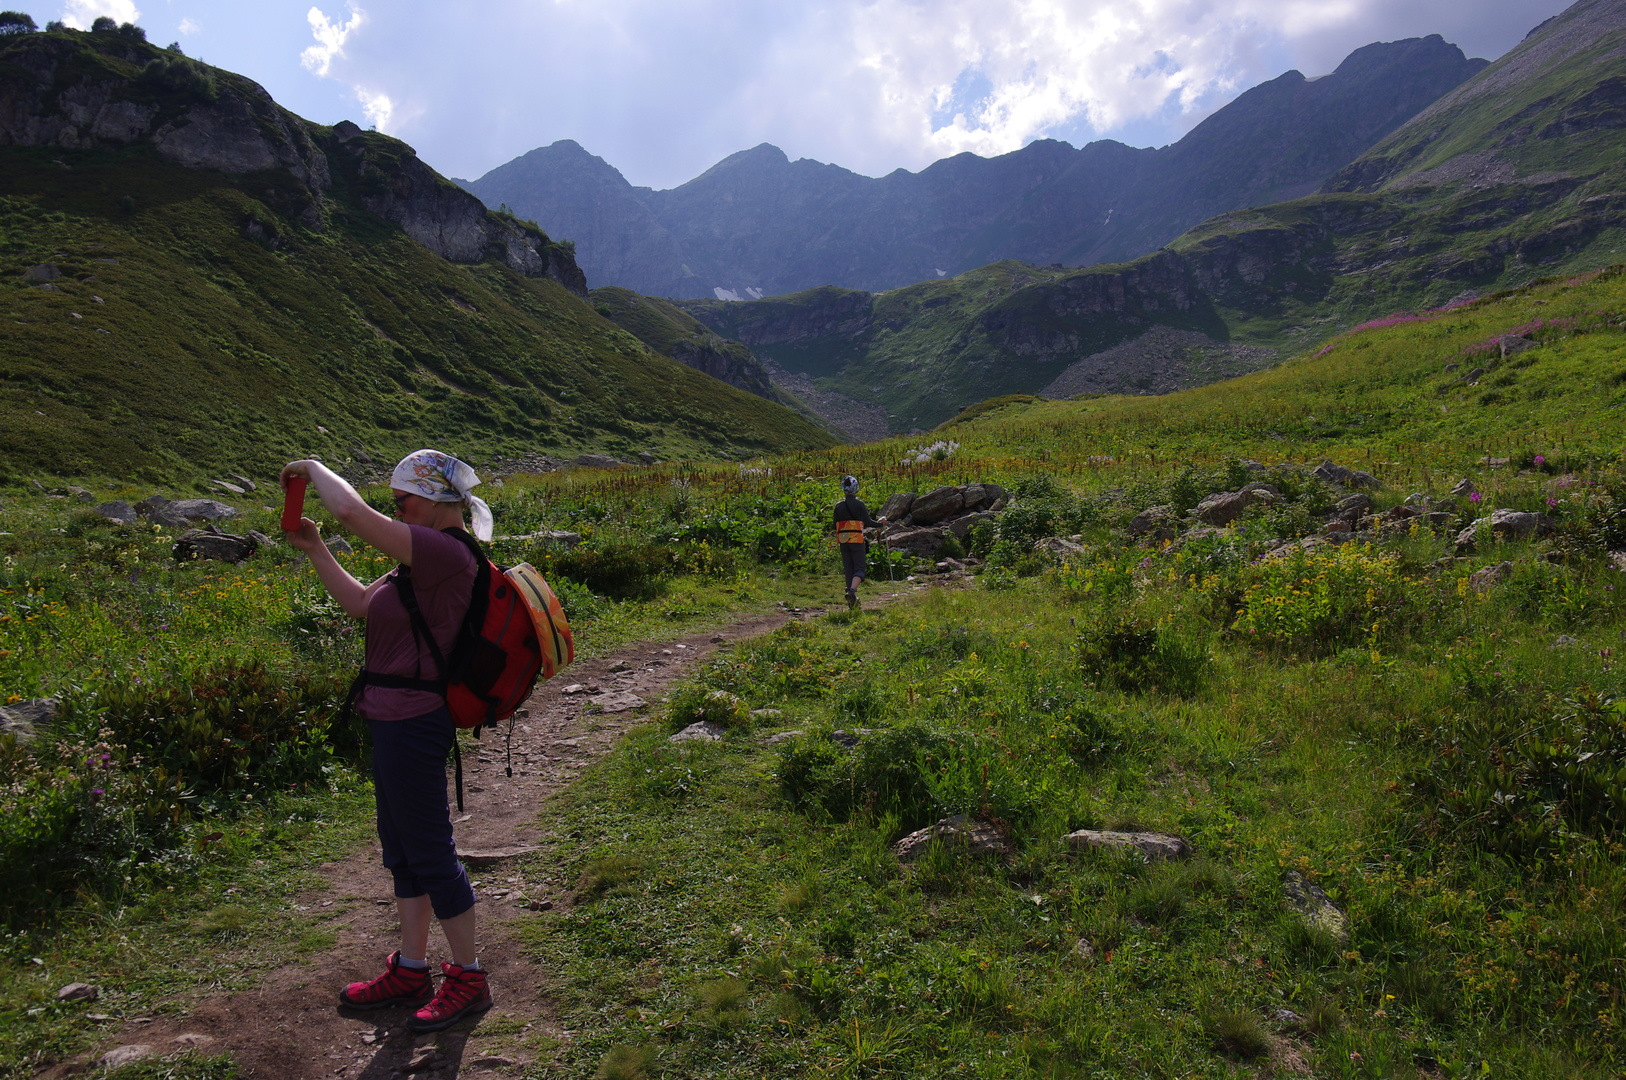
400, 501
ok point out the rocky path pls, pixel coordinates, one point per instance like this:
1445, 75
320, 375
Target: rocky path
290, 1027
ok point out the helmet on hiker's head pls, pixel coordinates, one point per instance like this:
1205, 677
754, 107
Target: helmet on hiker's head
849, 484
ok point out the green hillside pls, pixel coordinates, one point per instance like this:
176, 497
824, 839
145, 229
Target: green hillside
204, 321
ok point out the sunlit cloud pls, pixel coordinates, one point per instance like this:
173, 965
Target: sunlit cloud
330, 38
189, 27
79, 14
376, 107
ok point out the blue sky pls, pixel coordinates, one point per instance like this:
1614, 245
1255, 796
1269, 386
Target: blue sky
663, 89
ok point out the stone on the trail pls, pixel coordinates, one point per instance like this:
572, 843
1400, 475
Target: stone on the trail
1311, 905
118, 510
616, 701
424, 1057
958, 832
194, 1039
573, 688
487, 856
1153, 847
22, 719
77, 992
702, 731
718, 639
493, 1061
123, 1055
620, 665
338, 545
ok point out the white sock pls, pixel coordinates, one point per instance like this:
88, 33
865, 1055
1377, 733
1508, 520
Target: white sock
415, 965
474, 966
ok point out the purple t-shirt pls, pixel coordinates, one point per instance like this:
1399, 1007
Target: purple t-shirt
443, 571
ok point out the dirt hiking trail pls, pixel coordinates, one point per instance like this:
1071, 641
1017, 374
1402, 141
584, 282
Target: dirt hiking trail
291, 1027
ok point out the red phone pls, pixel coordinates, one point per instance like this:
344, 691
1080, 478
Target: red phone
293, 504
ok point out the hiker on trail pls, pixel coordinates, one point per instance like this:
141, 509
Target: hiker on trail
412, 731
852, 517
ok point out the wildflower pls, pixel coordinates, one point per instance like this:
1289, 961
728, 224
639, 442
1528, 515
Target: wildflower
1551, 502
1538, 461
1475, 497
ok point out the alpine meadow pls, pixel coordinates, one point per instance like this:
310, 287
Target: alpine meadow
1233, 691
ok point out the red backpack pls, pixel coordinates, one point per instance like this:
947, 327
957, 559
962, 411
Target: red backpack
497, 657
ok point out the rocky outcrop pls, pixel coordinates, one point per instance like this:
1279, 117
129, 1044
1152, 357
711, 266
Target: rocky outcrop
1152, 846
958, 833
83, 91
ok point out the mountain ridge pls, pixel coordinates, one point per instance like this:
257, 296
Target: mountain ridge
758, 223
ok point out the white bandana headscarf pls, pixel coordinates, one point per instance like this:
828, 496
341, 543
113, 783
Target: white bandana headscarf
440, 477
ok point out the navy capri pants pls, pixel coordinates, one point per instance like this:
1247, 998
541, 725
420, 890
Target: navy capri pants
414, 819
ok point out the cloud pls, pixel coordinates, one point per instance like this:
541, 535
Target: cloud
189, 27
79, 14
376, 107
330, 38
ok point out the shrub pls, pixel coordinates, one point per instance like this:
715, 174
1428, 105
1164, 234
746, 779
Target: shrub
699, 704
886, 774
1234, 1031
1132, 657
1319, 601
622, 569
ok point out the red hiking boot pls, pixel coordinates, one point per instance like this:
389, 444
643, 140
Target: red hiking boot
462, 993
397, 986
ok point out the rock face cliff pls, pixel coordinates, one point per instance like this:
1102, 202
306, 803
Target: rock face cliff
88, 91
760, 224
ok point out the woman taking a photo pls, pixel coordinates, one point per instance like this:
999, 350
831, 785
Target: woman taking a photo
412, 731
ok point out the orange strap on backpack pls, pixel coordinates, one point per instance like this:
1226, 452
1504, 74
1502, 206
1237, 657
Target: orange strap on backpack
849, 532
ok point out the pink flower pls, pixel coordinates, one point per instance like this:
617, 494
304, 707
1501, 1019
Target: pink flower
1539, 460
1551, 502
1476, 497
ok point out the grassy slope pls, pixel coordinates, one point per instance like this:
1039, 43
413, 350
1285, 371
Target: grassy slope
208, 350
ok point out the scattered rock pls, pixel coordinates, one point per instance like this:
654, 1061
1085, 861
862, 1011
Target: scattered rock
616, 701
1153, 847
81, 494
620, 665
920, 543
77, 992
39, 275
118, 510
784, 736
766, 714
1154, 519
1059, 546
203, 509
1287, 1018
718, 639
123, 1055
1310, 903
227, 485
934, 506
1486, 579
897, 506
1565, 641
493, 1061
599, 461
703, 731
22, 719
850, 738
1508, 525
338, 545
1334, 473
1083, 949
213, 544
975, 837
260, 539
249, 485
193, 1039
424, 1057
961, 526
